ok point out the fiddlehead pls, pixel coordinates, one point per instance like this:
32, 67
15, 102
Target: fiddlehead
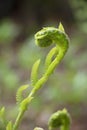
44, 38
60, 119
49, 35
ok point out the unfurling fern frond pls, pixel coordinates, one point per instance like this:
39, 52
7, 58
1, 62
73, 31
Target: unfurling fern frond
60, 119
44, 38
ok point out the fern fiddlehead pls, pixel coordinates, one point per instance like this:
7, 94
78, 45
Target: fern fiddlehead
44, 38
60, 119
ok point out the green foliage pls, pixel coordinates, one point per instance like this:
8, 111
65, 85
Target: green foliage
43, 38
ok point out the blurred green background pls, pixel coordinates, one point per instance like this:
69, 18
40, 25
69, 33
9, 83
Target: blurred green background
67, 87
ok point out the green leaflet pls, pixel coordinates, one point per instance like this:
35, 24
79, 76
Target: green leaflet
19, 96
34, 72
49, 57
3, 115
9, 126
61, 28
2, 112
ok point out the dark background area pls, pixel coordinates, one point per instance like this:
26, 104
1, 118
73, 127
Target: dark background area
34, 14
67, 87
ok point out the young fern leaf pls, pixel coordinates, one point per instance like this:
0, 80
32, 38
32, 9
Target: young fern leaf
60, 119
44, 38
9, 126
34, 72
19, 94
49, 35
49, 57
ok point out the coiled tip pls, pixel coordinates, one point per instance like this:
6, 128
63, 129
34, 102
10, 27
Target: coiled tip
42, 38
58, 119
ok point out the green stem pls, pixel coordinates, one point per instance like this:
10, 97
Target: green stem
39, 83
18, 119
